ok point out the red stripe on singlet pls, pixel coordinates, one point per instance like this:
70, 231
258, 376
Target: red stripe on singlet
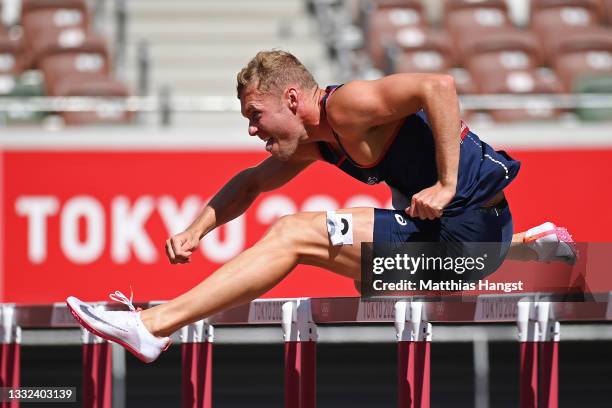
464, 130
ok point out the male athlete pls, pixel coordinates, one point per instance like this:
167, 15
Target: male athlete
404, 130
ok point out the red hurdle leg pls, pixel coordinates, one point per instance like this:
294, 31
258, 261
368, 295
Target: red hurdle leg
97, 374
539, 335
10, 351
197, 351
413, 374
300, 355
413, 355
292, 374
197, 375
308, 380
549, 375
9, 369
300, 374
529, 374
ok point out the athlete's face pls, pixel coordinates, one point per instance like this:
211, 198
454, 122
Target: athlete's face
273, 118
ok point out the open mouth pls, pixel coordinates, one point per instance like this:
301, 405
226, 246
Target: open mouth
269, 144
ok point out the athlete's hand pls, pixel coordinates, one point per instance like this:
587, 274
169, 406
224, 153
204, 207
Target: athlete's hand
429, 203
180, 246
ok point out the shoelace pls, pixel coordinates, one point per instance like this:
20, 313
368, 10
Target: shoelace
118, 296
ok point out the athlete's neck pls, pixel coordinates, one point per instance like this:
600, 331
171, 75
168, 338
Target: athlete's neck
315, 123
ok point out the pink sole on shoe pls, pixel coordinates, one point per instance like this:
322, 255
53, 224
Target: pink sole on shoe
105, 337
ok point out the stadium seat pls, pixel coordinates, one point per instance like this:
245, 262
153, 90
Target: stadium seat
421, 50
491, 81
506, 48
607, 9
561, 41
40, 21
517, 81
566, 10
384, 20
49, 41
28, 6
41, 17
90, 60
579, 52
105, 113
472, 23
48, 21
571, 66
461, 16
555, 20
73, 60
568, 18
11, 56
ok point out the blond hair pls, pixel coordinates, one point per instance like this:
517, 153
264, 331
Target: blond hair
273, 70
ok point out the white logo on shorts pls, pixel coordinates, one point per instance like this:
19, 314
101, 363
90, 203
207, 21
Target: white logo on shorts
400, 220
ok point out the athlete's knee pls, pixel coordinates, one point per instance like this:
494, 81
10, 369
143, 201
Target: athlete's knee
300, 231
295, 228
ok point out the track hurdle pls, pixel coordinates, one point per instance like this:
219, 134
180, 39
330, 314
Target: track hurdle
537, 319
197, 359
300, 335
539, 335
413, 334
10, 351
97, 370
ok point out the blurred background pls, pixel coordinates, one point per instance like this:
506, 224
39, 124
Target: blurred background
174, 59
119, 120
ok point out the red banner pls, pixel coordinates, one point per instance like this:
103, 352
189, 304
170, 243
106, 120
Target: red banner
88, 223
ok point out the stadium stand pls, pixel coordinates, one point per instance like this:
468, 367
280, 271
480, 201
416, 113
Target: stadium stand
576, 44
462, 17
558, 25
208, 42
553, 47
388, 22
607, 8
563, 43
503, 57
74, 61
11, 50
420, 50
15, 79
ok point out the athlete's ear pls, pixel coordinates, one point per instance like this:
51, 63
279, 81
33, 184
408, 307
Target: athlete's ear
292, 99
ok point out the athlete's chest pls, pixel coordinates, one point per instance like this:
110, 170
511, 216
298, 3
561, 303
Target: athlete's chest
368, 148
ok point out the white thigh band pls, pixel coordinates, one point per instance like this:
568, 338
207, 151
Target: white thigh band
340, 228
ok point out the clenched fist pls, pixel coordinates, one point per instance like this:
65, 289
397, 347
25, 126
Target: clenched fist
180, 246
430, 202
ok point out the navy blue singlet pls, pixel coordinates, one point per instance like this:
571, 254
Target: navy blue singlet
408, 164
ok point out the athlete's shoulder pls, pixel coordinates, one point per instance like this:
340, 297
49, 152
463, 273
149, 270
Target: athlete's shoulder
350, 107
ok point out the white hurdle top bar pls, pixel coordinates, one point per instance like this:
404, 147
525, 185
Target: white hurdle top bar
347, 310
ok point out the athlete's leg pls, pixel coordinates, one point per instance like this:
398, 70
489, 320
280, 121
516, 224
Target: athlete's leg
294, 239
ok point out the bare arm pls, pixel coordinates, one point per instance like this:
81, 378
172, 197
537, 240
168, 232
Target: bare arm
235, 197
239, 193
363, 105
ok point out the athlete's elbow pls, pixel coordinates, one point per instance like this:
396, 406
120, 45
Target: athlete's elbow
437, 84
